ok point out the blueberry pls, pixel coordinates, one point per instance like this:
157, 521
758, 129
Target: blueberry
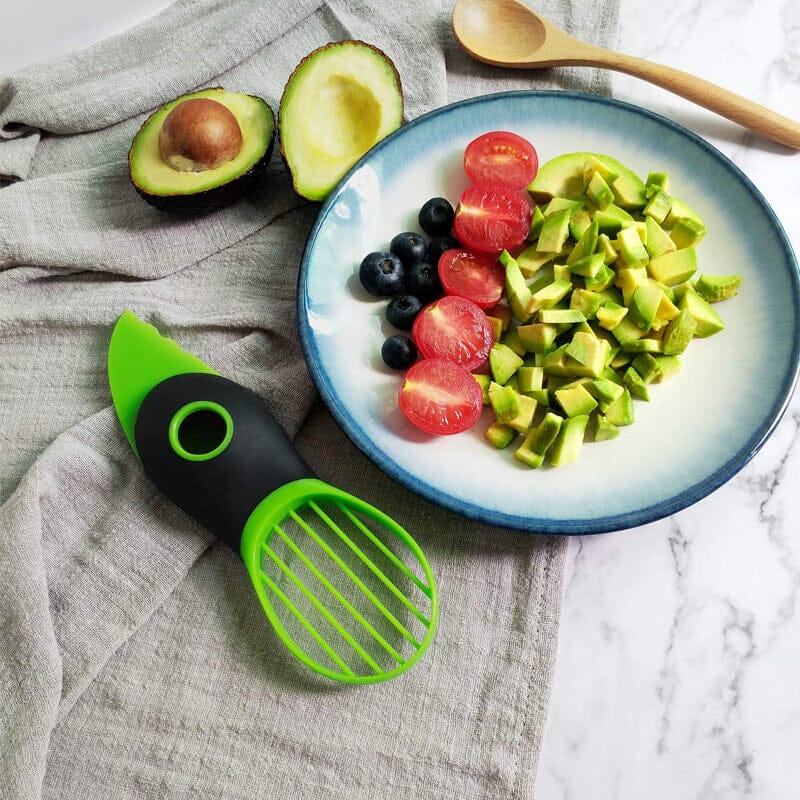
436, 217
409, 247
399, 352
423, 281
381, 274
438, 246
402, 310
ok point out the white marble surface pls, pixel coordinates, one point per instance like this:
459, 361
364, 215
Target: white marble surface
679, 655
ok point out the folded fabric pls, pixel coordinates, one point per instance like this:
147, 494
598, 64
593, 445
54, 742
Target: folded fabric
135, 661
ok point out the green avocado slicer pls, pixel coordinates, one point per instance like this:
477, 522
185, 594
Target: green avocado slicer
347, 589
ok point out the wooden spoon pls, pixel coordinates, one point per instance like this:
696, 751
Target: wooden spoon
509, 34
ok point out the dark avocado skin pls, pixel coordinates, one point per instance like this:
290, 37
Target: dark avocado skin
219, 196
212, 199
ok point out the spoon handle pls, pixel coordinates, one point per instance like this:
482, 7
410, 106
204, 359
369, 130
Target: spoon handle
751, 115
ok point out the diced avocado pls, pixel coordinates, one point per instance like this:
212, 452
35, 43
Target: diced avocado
524, 418
586, 245
579, 221
593, 165
585, 301
627, 279
537, 218
714, 288
679, 290
609, 220
620, 359
555, 362
587, 267
571, 204
629, 192
483, 381
658, 240
599, 191
668, 367
556, 316
561, 272
503, 362
575, 400
589, 351
500, 435
538, 440
687, 232
635, 384
648, 367
530, 260
548, 296
667, 310
605, 247
504, 401
554, 232
604, 391
530, 379
609, 315
707, 319
675, 267
627, 331
658, 206
601, 429
679, 210
621, 412
639, 226
601, 281
644, 305
512, 341
567, 446
497, 328
537, 337
519, 295
631, 249
679, 333
644, 345
659, 180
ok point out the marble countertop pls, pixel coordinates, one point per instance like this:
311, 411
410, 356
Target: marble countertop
678, 671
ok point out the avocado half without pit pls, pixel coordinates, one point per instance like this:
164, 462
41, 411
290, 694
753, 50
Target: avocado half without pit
340, 100
202, 150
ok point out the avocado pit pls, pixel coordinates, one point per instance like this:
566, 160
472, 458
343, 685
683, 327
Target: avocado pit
199, 134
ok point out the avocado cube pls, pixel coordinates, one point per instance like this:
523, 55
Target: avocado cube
631, 248
678, 211
503, 362
679, 333
621, 411
561, 272
537, 219
581, 347
538, 337
596, 353
658, 240
627, 279
500, 435
554, 232
483, 381
668, 366
605, 247
555, 362
639, 226
497, 328
635, 384
524, 417
599, 191
567, 446
601, 429
585, 301
575, 400
644, 345
609, 315
519, 295
658, 180
529, 378
674, 267
687, 232
648, 367
626, 331
604, 391
644, 305
658, 206
586, 245
629, 192
707, 319
603, 279
511, 340
588, 267
621, 358
594, 165
579, 222
571, 204
530, 261
524, 453
548, 296
538, 440
556, 316
714, 288
504, 401
666, 311
609, 219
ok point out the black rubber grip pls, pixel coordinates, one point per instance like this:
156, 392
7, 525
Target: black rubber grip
217, 483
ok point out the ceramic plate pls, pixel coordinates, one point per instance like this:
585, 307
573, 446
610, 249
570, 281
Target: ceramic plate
700, 427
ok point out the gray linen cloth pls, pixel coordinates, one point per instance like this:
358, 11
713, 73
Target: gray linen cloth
135, 661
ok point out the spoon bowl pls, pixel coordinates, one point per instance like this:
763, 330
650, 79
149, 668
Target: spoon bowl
509, 34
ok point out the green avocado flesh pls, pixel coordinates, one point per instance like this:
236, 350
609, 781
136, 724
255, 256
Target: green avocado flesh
340, 100
173, 190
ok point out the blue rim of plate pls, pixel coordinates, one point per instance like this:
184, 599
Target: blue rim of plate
530, 524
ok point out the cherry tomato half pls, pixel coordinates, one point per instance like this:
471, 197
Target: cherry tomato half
501, 157
453, 328
477, 276
440, 398
491, 218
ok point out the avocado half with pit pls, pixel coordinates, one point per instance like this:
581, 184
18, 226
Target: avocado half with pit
340, 100
202, 151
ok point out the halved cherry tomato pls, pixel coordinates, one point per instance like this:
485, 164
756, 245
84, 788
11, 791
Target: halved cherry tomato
439, 397
476, 276
454, 328
491, 218
501, 157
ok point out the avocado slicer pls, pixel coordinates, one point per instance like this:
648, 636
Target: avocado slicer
347, 589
